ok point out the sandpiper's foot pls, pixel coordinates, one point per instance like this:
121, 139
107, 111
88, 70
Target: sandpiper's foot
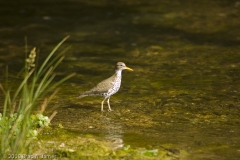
110, 110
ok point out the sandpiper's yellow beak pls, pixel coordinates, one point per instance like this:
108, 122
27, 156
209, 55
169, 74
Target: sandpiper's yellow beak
129, 69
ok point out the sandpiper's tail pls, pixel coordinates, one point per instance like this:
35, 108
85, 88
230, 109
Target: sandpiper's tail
81, 96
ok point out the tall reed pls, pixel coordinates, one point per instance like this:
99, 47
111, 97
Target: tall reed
18, 123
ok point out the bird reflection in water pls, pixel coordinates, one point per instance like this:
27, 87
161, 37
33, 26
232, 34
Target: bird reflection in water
113, 132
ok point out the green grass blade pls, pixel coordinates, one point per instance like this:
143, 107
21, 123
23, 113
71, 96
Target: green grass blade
49, 56
53, 61
6, 103
37, 93
46, 84
32, 89
59, 82
22, 84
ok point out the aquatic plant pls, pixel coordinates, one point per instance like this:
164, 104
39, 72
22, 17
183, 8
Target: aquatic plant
20, 121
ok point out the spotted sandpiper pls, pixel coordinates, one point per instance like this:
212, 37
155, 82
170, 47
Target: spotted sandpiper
107, 87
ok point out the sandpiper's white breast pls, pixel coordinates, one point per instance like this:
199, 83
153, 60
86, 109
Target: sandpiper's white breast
116, 83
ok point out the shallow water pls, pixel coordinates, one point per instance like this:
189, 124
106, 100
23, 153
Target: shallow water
184, 91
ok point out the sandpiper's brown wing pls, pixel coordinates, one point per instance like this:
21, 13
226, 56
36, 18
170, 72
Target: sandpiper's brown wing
100, 88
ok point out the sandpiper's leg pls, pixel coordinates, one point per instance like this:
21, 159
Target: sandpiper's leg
102, 104
109, 108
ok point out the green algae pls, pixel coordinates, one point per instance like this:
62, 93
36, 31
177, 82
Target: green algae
65, 144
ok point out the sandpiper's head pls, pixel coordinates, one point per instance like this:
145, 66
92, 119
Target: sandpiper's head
122, 66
